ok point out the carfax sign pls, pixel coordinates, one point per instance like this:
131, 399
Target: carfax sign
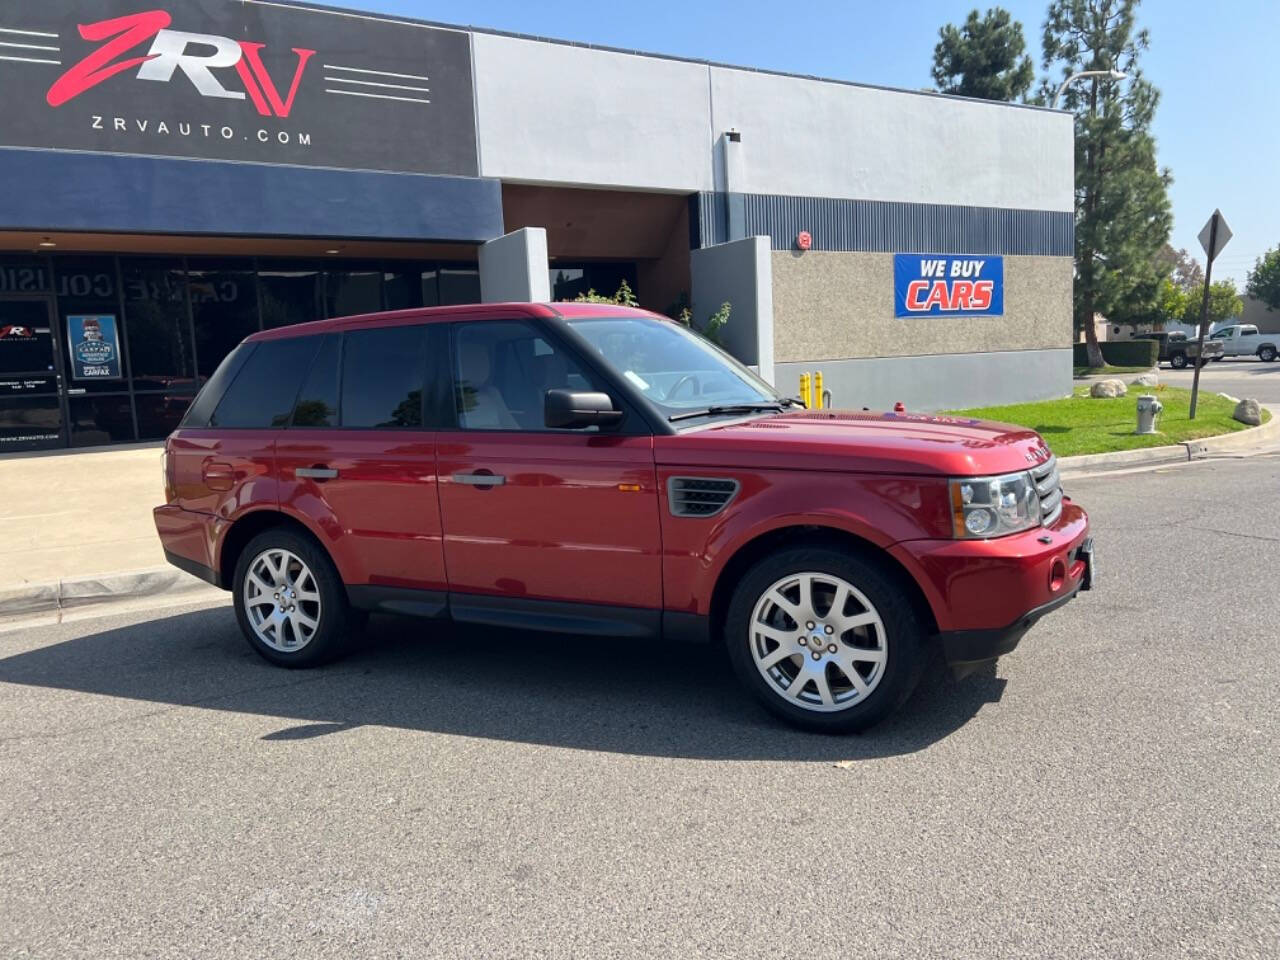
95, 347
942, 285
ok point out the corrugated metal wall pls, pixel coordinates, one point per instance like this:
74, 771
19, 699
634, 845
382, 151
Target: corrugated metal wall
885, 226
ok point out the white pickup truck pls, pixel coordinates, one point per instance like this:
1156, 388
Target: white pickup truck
1244, 340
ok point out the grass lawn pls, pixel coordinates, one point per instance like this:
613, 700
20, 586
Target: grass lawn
1107, 370
1082, 424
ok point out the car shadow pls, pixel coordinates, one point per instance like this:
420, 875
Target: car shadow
665, 700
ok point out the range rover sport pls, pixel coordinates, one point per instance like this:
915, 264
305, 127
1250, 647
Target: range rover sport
601, 470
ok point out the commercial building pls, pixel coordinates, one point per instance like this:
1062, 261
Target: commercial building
180, 176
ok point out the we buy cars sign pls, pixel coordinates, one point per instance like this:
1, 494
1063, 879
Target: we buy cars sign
927, 284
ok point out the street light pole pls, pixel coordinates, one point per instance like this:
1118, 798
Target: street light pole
1113, 74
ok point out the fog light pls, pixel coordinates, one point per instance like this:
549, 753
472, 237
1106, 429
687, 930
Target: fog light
1057, 575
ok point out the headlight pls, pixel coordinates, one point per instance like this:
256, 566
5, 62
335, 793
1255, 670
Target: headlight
985, 507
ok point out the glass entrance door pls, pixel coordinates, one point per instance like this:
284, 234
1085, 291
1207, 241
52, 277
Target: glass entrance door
31, 408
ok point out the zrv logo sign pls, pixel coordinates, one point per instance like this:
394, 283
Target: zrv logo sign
952, 286
242, 80
195, 55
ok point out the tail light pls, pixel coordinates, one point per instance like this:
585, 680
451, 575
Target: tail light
166, 464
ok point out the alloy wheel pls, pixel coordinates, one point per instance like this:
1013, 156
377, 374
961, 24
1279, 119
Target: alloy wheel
282, 600
818, 641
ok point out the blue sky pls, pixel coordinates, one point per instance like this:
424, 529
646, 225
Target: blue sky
1217, 125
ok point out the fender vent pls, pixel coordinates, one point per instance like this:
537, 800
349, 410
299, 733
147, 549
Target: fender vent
699, 496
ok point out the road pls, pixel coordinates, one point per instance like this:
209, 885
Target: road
1239, 377
1112, 789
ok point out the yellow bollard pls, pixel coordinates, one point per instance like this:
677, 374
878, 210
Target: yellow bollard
817, 390
805, 397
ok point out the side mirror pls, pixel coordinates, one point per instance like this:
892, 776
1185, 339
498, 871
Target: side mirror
571, 409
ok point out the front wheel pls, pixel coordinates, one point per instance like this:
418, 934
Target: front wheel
824, 639
1178, 361
290, 601
1267, 354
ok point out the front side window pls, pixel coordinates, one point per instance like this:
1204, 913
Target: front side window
502, 372
677, 370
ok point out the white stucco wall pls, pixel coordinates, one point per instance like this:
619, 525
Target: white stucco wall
809, 138
553, 113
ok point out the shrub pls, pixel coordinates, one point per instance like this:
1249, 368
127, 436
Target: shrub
1120, 353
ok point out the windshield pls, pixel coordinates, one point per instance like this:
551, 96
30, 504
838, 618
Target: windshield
679, 371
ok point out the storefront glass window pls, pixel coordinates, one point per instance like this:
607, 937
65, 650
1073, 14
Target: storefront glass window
89, 309
290, 293
22, 274
458, 284
224, 305
155, 307
351, 292
99, 420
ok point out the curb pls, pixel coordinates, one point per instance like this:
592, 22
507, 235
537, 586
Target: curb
53, 599
1252, 440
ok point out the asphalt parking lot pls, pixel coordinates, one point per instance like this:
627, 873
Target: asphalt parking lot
1112, 789
1237, 376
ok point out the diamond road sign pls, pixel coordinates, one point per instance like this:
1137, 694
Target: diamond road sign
1224, 234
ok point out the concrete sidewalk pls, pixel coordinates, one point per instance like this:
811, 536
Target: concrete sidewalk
78, 513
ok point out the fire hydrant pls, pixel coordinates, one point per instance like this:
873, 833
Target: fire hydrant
1148, 409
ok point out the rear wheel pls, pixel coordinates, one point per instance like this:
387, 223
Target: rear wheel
1178, 361
824, 639
290, 601
1267, 354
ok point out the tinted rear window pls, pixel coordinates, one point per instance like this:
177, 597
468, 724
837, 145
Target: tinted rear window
382, 377
262, 394
318, 400
207, 399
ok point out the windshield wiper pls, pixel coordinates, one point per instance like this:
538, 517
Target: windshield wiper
727, 408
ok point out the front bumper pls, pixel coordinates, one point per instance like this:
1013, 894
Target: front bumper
986, 594
965, 650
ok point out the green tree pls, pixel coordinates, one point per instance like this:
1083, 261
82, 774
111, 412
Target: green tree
1182, 267
1171, 302
984, 58
1122, 202
1224, 303
1263, 282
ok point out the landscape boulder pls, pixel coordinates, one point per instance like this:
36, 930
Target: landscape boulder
1248, 411
1148, 379
1108, 388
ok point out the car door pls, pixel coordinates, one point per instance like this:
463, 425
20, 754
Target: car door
538, 521
358, 459
1229, 345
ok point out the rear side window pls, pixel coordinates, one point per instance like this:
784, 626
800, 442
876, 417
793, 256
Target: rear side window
318, 400
383, 371
206, 400
262, 394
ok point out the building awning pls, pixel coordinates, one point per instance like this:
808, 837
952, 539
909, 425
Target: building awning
69, 191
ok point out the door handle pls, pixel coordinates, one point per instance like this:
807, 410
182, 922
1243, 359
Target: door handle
315, 473
480, 479
218, 476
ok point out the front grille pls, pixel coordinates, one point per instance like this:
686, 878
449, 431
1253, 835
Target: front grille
699, 496
1049, 487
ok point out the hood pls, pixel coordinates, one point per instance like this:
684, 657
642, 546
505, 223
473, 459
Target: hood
900, 443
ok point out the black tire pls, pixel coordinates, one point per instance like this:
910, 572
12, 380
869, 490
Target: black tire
1178, 361
1267, 354
1217, 359
336, 622
903, 640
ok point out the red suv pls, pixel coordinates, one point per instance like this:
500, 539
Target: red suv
603, 471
